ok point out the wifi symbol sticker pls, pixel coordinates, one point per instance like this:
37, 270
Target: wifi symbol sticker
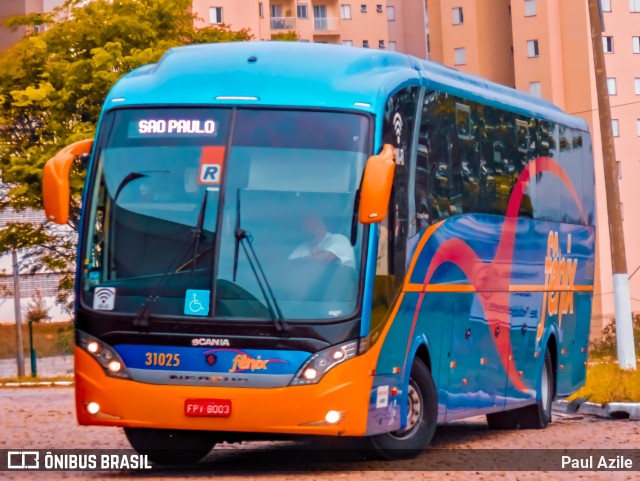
104, 298
397, 126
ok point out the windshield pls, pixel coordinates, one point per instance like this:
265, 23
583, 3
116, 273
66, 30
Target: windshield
286, 244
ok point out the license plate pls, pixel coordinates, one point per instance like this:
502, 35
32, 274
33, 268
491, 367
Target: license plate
215, 408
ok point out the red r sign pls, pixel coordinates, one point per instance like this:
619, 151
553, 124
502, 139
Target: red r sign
211, 164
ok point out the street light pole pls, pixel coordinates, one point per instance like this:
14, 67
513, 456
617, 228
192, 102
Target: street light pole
16, 310
622, 297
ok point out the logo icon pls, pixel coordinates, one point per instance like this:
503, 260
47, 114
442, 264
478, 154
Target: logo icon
203, 341
196, 302
23, 460
104, 298
397, 126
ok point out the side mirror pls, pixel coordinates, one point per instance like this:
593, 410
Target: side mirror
377, 182
56, 194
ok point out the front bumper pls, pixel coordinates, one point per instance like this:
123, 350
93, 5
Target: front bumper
286, 410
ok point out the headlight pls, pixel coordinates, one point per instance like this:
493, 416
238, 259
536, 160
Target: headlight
107, 356
312, 371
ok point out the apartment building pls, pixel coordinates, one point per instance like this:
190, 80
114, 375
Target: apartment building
378, 24
10, 8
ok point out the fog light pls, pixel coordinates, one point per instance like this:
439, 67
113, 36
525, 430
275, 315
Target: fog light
115, 366
93, 347
338, 355
310, 374
93, 408
332, 417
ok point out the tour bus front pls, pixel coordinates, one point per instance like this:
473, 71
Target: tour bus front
222, 269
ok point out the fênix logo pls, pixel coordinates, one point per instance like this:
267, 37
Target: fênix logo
244, 362
560, 275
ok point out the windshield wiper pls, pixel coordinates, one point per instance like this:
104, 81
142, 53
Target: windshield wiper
244, 239
142, 318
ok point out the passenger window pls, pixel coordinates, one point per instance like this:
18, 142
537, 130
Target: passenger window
463, 121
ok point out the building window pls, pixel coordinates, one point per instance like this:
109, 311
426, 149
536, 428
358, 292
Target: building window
607, 44
529, 8
458, 17
392, 46
532, 48
303, 10
637, 86
363, 8
347, 43
535, 89
365, 43
606, 5
261, 9
391, 13
381, 44
612, 86
636, 44
635, 6
460, 56
379, 8
615, 126
215, 15
345, 12
619, 164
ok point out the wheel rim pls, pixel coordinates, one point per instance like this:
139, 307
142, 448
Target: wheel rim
545, 388
414, 414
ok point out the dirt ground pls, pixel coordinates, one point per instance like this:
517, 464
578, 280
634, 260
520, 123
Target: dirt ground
44, 418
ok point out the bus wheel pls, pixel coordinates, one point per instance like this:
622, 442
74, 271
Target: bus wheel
169, 446
421, 419
538, 416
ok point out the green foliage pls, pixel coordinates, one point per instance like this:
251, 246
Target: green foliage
606, 383
605, 348
37, 311
290, 36
52, 86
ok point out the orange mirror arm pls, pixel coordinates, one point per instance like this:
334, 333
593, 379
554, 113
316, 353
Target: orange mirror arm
377, 182
56, 194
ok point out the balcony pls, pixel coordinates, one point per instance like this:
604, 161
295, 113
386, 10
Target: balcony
283, 23
326, 25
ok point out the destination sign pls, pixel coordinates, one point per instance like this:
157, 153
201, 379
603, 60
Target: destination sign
175, 127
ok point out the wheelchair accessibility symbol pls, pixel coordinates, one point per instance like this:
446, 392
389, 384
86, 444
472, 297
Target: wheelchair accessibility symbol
196, 302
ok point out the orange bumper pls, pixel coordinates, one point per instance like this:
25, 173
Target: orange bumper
289, 410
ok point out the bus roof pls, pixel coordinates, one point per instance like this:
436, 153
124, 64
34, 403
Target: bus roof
298, 74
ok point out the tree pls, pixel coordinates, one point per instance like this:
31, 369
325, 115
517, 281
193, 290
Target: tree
52, 85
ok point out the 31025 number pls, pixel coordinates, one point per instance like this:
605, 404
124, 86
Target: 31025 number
162, 359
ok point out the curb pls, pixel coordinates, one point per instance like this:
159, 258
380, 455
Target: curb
614, 410
37, 384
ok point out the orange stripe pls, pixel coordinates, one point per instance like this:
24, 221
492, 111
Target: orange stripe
513, 288
428, 233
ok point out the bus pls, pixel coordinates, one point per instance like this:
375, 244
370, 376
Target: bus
288, 239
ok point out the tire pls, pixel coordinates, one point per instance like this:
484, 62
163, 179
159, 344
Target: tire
168, 446
421, 423
536, 416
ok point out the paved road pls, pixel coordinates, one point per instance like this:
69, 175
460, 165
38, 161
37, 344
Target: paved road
44, 418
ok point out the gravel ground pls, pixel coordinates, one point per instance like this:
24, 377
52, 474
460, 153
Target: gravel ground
44, 418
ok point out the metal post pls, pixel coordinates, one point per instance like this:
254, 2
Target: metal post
622, 297
32, 352
16, 310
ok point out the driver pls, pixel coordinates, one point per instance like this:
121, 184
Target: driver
323, 245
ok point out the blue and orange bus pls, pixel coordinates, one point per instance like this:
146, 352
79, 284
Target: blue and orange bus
299, 239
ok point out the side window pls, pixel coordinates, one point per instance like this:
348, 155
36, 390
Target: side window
549, 188
437, 134
397, 130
